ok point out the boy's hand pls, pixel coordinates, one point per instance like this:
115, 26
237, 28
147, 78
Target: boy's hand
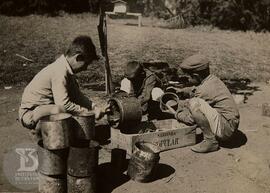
100, 112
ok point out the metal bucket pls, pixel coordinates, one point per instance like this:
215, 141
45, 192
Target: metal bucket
83, 161
125, 112
81, 185
169, 99
52, 184
56, 131
84, 125
143, 162
52, 162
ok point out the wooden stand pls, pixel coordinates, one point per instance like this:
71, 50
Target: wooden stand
139, 15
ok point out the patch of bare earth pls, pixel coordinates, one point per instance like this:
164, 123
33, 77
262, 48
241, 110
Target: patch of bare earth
243, 168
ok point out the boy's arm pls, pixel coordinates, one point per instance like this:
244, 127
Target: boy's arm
149, 84
183, 93
80, 98
60, 94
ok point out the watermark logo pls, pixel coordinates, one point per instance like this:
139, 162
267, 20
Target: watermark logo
28, 160
20, 166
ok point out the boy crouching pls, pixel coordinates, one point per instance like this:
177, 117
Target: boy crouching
55, 89
210, 105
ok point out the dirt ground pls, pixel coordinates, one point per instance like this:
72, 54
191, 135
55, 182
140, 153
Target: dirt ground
243, 166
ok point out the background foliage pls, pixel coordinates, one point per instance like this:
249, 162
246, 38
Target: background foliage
225, 14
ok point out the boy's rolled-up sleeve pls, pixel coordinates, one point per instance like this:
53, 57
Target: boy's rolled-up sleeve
61, 97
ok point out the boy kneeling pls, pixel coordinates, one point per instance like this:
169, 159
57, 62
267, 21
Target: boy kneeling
144, 85
55, 89
210, 106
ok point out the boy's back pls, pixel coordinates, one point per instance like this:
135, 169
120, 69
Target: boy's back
39, 90
215, 92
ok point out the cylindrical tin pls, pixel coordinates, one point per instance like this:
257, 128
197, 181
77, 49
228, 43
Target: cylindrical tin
52, 162
81, 185
125, 113
83, 161
118, 159
52, 184
84, 126
143, 162
55, 130
169, 99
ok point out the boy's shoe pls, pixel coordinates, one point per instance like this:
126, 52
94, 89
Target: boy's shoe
206, 146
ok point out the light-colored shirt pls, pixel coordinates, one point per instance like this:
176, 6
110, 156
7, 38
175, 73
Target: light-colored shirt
218, 96
55, 84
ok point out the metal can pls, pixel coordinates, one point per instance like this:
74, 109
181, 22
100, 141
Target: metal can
84, 126
56, 131
52, 184
82, 185
52, 162
83, 161
125, 113
143, 162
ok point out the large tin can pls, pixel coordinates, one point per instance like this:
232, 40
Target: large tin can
83, 161
84, 126
143, 162
52, 162
52, 184
56, 131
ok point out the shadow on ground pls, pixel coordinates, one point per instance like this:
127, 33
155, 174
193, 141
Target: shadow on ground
109, 178
238, 139
241, 87
163, 171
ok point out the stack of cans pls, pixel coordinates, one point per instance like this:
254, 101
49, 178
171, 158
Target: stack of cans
53, 153
67, 153
83, 155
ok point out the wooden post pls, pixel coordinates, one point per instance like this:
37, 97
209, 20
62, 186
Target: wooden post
140, 20
102, 30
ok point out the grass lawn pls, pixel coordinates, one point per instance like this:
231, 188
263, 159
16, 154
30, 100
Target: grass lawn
41, 38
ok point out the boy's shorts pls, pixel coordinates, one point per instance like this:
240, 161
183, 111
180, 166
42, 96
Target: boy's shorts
221, 127
26, 118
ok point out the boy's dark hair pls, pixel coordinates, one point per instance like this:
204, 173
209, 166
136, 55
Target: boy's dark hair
133, 69
82, 45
